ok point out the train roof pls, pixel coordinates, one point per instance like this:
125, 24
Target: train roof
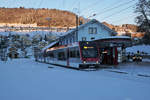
59, 47
50, 45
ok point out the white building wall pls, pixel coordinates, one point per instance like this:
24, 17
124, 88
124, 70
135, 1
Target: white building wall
101, 32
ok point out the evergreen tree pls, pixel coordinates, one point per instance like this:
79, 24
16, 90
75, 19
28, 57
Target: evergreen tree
45, 38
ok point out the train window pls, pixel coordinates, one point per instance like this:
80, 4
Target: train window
51, 54
78, 54
72, 54
89, 53
61, 56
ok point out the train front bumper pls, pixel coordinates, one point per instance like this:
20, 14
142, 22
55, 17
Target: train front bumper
84, 66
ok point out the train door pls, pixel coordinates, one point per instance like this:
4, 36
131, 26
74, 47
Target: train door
68, 57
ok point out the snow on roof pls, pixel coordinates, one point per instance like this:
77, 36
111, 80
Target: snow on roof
115, 37
50, 45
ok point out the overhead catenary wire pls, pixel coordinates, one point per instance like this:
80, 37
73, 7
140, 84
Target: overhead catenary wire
63, 4
105, 10
115, 7
132, 14
9, 3
40, 3
119, 11
93, 12
74, 3
89, 6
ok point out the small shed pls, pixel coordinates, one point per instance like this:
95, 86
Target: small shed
13, 52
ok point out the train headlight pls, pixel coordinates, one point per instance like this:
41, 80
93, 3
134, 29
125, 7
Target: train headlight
140, 57
134, 57
84, 62
97, 62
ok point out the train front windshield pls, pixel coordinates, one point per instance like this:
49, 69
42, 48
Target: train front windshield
89, 50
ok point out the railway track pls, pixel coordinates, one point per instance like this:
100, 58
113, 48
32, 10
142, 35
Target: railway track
69, 67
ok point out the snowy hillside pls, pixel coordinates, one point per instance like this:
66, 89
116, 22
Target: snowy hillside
25, 79
31, 33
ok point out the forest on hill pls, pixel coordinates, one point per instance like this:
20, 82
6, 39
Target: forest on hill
58, 18
133, 28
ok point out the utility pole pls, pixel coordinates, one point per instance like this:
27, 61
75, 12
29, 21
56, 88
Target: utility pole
77, 23
48, 19
76, 11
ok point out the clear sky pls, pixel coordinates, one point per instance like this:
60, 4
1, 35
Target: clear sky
112, 11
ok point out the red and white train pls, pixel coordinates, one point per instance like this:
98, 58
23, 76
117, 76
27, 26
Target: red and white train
84, 54
79, 55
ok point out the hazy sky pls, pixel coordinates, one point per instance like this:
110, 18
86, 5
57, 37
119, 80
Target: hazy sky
112, 11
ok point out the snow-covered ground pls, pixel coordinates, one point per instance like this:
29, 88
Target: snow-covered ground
25, 79
134, 68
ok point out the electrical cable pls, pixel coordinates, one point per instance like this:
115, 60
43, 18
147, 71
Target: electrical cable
112, 8
118, 12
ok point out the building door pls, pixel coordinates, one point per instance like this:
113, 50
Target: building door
106, 56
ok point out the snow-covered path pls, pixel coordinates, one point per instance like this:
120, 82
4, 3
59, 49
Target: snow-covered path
24, 79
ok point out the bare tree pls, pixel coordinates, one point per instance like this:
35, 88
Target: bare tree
143, 10
143, 18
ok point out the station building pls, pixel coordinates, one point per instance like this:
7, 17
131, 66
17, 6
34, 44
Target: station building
111, 47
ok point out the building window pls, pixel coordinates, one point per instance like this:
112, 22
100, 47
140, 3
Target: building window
83, 38
95, 30
92, 30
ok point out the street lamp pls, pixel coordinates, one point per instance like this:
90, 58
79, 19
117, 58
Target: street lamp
92, 15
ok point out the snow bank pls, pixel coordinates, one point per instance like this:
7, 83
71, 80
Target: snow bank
141, 48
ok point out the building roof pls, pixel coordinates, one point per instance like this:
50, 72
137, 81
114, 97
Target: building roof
118, 41
91, 21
